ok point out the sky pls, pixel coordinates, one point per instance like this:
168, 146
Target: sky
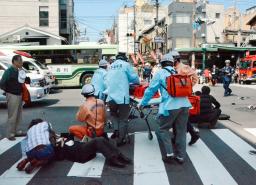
98, 15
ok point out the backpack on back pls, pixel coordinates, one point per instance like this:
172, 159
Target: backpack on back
178, 85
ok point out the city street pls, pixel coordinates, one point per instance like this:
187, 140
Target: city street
221, 156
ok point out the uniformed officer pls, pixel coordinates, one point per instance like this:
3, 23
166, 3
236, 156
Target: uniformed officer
228, 71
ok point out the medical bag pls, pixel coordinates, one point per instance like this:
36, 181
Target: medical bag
138, 91
195, 102
178, 85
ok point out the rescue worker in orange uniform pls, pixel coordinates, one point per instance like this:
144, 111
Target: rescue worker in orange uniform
92, 114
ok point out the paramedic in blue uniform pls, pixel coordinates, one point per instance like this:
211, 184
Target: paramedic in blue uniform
99, 78
119, 76
171, 111
228, 71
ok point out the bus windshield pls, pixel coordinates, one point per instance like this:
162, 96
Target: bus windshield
42, 66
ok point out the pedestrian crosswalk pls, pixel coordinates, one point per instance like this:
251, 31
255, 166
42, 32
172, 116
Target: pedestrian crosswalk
220, 157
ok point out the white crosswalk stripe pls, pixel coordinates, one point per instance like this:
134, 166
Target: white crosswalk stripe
208, 167
148, 165
14, 177
6, 144
238, 145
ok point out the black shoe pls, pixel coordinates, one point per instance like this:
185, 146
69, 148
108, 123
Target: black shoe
11, 138
169, 159
114, 135
115, 163
179, 160
121, 143
194, 138
253, 152
122, 158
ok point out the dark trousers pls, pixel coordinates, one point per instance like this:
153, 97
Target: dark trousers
211, 117
119, 117
83, 152
190, 130
226, 83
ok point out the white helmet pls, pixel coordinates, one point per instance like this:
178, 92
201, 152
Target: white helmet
175, 54
88, 90
227, 61
103, 63
167, 58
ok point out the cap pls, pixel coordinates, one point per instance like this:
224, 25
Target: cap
88, 89
227, 61
167, 58
103, 63
175, 54
121, 56
21, 76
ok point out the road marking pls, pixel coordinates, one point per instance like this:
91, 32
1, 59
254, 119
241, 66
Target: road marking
92, 168
14, 177
251, 131
149, 168
238, 145
6, 144
208, 167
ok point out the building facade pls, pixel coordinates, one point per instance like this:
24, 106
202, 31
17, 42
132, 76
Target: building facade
43, 22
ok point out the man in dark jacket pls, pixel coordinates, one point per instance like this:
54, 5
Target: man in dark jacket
11, 83
209, 109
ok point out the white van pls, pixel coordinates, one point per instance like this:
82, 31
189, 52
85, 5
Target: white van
31, 65
38, 89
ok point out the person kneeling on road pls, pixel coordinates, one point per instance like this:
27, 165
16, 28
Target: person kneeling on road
209, 109
92, 114
39, 146
81, 152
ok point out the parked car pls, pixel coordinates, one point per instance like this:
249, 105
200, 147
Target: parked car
37, 88
31, 65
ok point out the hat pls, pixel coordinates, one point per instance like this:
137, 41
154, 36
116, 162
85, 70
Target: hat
167, 58
175, 54
121, 56
103, 63
227, 61
21, 76
88, 89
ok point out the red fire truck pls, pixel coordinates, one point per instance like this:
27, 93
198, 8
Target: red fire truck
247, 70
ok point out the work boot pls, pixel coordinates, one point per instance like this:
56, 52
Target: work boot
122, 158
194, 137
115, 162
22, 164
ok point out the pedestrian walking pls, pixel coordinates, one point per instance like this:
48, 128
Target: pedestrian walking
11, 83
99, 79
228, 71
215, 73
172, 110
119, 76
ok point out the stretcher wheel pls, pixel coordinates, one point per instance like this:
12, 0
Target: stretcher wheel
150, 136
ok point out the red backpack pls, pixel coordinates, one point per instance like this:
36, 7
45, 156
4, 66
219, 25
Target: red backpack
178, 85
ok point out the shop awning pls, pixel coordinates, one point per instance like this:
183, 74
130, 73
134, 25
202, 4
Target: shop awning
232, 48
196, 49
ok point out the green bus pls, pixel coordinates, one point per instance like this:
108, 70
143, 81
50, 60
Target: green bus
72, 65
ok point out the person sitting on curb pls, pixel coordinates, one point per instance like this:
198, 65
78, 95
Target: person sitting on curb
39, 145
92, 114
209, 109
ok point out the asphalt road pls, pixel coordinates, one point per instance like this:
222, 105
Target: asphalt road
220, 157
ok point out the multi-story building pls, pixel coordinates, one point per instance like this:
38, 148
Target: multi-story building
144, 17
43, 22
182, 30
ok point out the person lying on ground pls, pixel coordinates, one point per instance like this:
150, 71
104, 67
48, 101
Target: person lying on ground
38, 145
209, 109
82, 152
91, 114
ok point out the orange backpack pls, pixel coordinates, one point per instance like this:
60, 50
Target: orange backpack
195, 102
178, 85
25, 94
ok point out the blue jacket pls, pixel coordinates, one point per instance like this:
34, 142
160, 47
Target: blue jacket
168, 102
98, 81
119, 76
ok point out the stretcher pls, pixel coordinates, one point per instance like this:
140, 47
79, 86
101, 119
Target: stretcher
152, 108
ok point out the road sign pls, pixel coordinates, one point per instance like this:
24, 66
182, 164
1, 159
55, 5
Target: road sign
158, 40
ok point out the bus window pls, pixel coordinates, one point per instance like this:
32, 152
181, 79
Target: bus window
29, 66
